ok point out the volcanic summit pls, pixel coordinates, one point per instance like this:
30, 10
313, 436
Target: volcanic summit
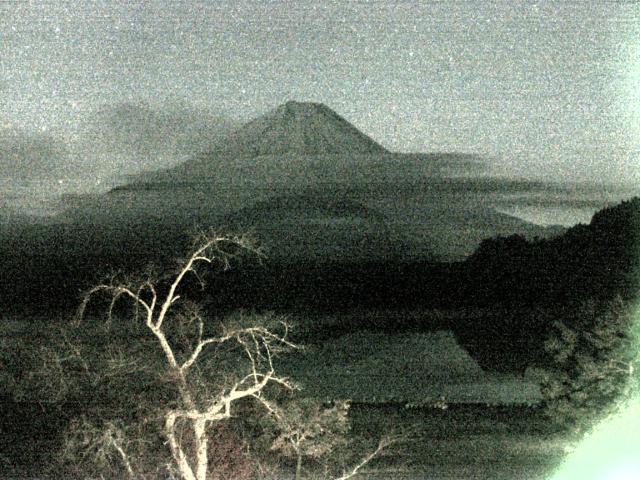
302, 128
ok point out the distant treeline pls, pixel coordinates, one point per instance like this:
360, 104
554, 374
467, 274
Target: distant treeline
49, 267
598, 260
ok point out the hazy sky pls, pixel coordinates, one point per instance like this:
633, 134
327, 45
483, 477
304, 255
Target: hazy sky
545, 88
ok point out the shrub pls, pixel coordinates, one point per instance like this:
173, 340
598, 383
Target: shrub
590, 363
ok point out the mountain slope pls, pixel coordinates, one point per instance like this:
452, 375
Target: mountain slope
299, 128
317, 226
288, 175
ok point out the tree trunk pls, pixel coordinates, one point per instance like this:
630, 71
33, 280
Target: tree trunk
299, 466
199, 429
178, 455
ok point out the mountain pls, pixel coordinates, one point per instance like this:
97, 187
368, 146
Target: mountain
338, 215
290, 175
294, 137
300, 128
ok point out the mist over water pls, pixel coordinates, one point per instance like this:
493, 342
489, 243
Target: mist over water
564, 203
547, 216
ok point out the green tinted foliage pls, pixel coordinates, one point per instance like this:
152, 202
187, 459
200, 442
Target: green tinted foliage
589, 364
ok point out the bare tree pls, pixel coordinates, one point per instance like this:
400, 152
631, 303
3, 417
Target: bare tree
160, 307
308, 429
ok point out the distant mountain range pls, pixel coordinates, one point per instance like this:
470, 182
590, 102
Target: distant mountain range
309, 184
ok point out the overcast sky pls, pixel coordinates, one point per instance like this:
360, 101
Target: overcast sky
548, 88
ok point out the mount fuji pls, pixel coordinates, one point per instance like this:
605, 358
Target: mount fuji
309, 185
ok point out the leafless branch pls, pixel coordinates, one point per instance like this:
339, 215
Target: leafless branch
258, 343
384, 443
111, 439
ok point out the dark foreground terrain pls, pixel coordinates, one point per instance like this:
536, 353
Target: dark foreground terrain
443, 440
559, 304
460, 442
465, 442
